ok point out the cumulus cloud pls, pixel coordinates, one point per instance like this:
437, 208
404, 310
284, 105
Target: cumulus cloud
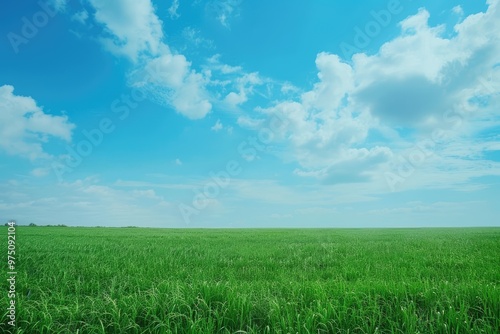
25, 127
411, 83
134, 30
336, 80
190, 99
169, 80
421, 74
131, 25
322, 128
168, 70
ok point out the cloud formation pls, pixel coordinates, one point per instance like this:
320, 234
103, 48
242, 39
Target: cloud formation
134, 30
132, 27
411, 84
421, 74
172, 10
224, 10
25, 127
217, 126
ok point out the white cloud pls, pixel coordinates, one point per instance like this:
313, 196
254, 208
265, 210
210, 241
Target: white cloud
149, 194
287, 88
24, 126
217, 126
250, 123
224, 10
233, 99
336, 80
458, 10
172, 10
215, 64
193, 37
236, 85
39, 172
136, 31
245, 87
424, 73
168, 70
171, 81
132, 26
413, 82
321, 129
191, 98
178, 162
59, 5
456, 164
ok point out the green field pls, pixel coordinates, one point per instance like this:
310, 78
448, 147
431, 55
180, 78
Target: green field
134, 280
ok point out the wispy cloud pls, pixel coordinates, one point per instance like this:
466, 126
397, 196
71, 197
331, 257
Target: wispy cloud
225, 10
194, 38
217, 126
80, 17
458, 10
172, 10
59, 5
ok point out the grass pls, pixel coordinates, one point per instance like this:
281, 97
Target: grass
112, 280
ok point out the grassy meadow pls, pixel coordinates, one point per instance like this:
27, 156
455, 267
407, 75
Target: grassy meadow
135, 280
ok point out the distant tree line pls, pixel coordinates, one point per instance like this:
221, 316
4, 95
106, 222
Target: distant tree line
34, 225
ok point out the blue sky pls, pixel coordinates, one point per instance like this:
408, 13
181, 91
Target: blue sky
237, 113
